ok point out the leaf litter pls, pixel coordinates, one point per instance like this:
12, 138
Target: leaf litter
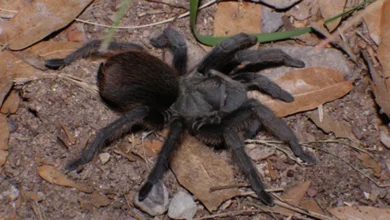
341, 86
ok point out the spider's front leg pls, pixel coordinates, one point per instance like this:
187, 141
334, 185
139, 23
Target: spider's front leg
279, 128
219, 56
254, 81
234, 142
92, 49
173, 140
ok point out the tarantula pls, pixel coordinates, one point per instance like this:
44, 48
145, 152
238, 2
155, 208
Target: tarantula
210, 103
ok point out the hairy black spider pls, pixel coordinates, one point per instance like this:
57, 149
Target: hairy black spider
211, 102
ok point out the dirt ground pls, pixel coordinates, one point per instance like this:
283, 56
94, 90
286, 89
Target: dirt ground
50, 104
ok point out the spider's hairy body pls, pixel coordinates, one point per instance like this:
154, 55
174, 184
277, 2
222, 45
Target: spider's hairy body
210, 103
124, 90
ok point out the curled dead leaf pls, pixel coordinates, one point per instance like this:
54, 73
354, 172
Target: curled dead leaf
3, 157
384, 47
4, 132
5, 86
11, 103
52, 175
310, 87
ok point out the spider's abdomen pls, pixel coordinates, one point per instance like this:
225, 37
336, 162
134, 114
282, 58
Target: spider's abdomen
135, 78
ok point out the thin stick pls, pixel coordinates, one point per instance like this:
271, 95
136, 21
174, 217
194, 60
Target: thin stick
272, 144
227, 214
147, 25
356, 169
302, 211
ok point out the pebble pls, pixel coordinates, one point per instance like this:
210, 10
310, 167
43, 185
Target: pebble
157, 201
182, 206
278, 4
104, 157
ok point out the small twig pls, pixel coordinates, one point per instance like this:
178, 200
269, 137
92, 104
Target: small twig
37, 210
68, 135
7, 10
227, 214
340, 142
215, 188
272, 144
147, 25
302, 211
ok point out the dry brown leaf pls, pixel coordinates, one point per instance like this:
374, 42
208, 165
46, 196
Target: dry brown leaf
311, 205
16, 67
4, 132
368, 162
331, 8
98, 200
311, 87
384, 47
198, 169
3, 157
5, 85
38, 19
338, 128
148, 148
11, 103
53, 49
235, 17
360, 213
52, 175
385, 136
293, 197
373, 21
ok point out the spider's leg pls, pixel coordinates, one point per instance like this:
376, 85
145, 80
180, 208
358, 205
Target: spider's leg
91, 49
254, 81
109, 133
174, 41
279, 128
171, 143
255, 60
227, 132
220, 57
234, 142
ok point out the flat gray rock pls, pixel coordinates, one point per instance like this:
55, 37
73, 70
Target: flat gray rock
327, 58
182, 206
278, 4
157, 201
